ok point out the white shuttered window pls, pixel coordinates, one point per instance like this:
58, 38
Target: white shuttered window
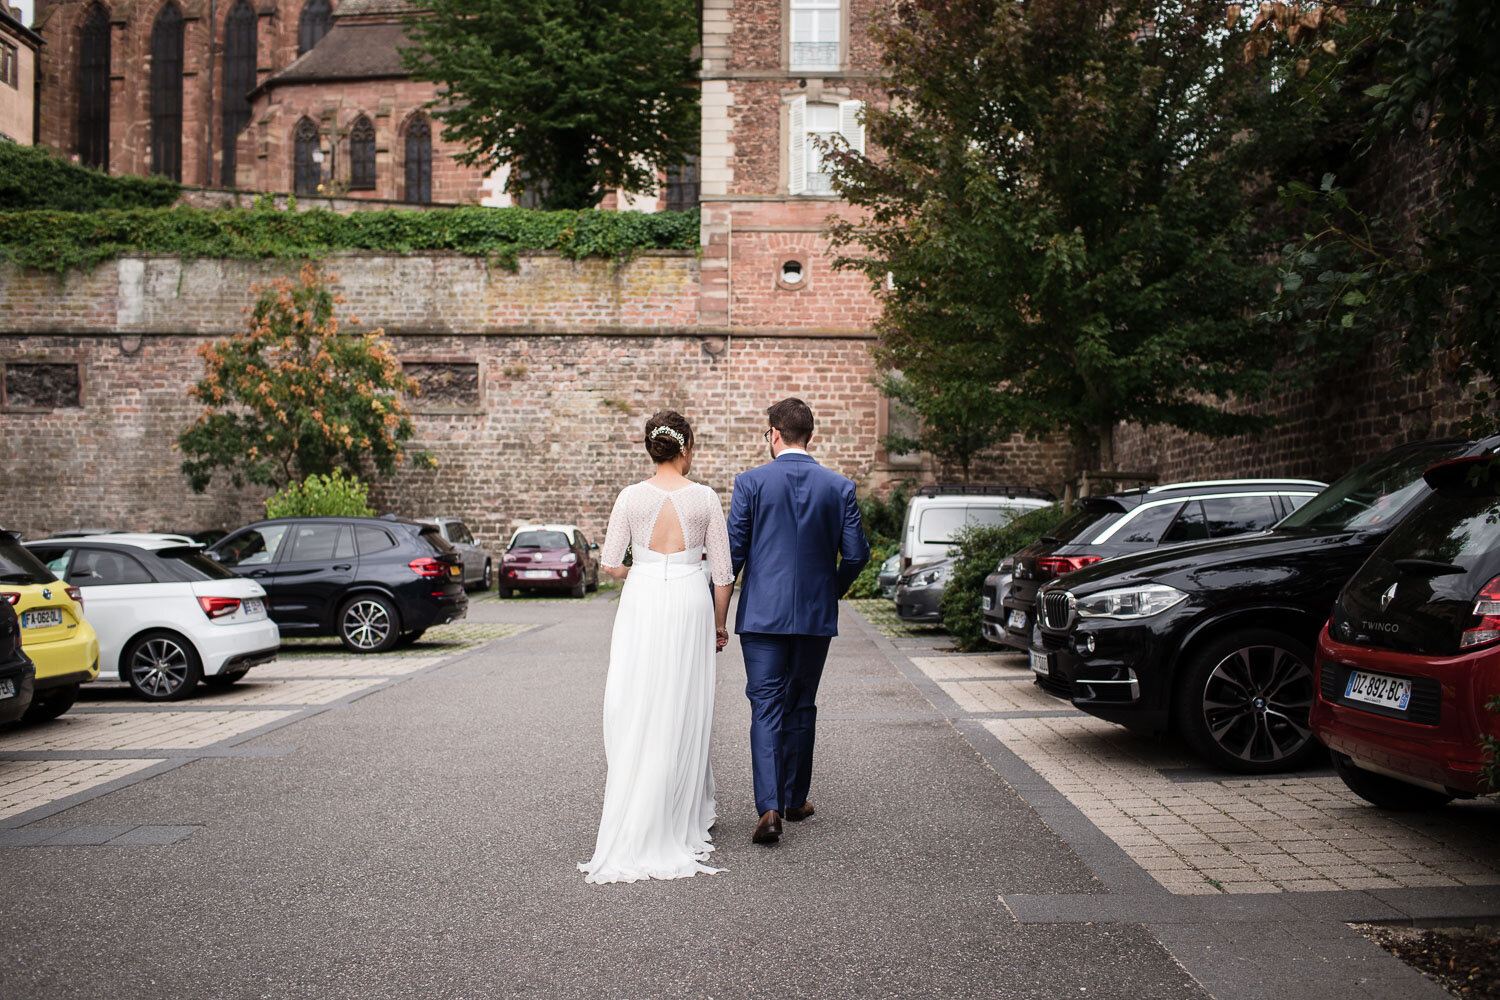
815, 34
806, 172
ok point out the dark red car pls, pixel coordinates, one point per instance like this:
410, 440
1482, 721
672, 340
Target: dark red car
550, 557
1410, 659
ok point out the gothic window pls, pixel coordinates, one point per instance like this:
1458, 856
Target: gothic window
239, 80
362, 155
682, 185
93, 88
419, 160
317, 18
307, 171
166, 93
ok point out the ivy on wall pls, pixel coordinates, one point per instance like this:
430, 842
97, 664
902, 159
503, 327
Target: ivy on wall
58, 241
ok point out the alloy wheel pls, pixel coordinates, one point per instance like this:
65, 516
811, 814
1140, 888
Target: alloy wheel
1256, 703
366, 624
160, 667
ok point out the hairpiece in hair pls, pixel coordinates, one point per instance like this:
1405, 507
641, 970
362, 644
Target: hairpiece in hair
673, 434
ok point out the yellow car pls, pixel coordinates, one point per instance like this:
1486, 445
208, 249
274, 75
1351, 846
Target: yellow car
53, 632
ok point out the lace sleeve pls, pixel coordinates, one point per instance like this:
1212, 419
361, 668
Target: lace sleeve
716, 541
617, 537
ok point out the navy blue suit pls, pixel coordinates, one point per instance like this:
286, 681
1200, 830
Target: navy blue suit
790, 521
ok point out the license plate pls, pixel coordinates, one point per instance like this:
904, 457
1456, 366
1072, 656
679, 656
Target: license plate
41, 618
253, 606
1377, 689
987, 602
1017, 619
1041, 663
7, 689
536, 574
454, 570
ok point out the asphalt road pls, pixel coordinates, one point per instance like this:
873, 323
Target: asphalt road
421, 842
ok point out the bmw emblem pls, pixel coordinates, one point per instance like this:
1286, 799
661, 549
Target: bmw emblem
46, 594
1387, 597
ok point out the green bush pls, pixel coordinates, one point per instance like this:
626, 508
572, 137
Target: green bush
57, 241
883, 521
34, 178
333, 495
1491, 770
979, 552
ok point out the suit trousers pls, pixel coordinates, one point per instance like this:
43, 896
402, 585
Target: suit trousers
781, 681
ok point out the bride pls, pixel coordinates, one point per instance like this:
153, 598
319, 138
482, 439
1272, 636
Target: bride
659, 696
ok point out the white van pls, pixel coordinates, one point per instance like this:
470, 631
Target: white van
935, 515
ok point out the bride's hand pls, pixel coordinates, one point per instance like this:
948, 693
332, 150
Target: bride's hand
721, 639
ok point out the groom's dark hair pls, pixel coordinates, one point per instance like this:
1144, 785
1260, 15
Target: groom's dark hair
794, 419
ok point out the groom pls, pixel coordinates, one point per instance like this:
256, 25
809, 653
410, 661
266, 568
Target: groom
789, 522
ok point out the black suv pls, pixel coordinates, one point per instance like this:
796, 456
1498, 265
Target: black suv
373, 582
1214, 639
17, 675
1132, 521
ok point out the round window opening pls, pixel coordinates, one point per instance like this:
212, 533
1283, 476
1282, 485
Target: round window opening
791, 273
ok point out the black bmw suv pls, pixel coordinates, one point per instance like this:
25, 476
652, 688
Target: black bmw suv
373, 582
1214, 639
1132, 521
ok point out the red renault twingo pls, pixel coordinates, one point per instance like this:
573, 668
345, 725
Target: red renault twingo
1411, 657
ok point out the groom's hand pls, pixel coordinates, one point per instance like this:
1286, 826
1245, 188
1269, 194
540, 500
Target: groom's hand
721, 639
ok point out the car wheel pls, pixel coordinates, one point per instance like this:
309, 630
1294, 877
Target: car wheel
49, 704
489, 576
369, 624
407, 638
580, 590
1385, 792
161, 666
503, 592
1242, 702
225, 679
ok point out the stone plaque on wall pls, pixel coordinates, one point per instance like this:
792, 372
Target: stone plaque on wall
444, 386
31, 385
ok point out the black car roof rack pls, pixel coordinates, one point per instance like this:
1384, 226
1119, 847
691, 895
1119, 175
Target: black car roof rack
985, 490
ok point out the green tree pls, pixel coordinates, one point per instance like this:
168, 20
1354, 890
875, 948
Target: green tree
1063, 197
577, 97
958, 418
294, 395
333, 495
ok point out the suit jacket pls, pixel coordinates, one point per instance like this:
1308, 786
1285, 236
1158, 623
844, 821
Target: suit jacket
789, 522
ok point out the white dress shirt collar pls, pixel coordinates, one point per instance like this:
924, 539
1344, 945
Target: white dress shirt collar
792, 451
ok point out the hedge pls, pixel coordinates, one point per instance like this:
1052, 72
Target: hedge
980, 551
34, 178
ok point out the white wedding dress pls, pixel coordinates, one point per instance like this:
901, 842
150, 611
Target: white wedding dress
659, 696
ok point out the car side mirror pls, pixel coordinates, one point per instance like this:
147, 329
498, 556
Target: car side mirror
212, 555
593, 546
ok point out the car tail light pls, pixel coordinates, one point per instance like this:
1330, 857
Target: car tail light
218, 607
428, 568
1059, 565
77, 596
1487, 609
11, 597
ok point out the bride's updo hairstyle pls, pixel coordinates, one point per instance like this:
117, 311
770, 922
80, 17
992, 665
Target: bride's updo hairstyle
668, 434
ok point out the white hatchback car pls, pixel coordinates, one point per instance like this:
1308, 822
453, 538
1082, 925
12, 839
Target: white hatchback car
167, 616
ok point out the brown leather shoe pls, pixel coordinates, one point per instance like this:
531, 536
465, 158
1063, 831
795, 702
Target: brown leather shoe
800, 813
768, 830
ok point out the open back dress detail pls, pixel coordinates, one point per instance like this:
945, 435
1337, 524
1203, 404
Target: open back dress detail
659, 695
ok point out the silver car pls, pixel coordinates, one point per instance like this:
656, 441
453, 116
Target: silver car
479, 569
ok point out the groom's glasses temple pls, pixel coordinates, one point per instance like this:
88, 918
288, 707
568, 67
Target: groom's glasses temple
767, 435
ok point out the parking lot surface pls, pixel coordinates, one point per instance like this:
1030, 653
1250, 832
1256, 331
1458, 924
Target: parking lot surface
407, 826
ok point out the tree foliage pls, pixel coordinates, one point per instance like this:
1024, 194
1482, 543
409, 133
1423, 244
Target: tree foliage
294, 395
577, 97
1064, 204
957, 417
34, 177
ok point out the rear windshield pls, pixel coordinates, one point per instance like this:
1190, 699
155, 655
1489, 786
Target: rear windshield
433, 537
1375, 492
19, 566
540, 540
189, 563
1459, 530
1075, 525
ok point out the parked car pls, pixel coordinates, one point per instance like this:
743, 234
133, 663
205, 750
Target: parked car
373, 582
1214, 639
1411, 655
479, 568
166, 615
937, 512
890, 572
550, 557
1132, 521
57, 638
17, 672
